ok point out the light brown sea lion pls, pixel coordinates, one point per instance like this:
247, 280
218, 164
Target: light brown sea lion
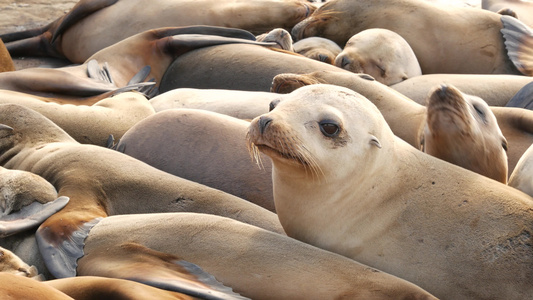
522, 176
147, 54
26, 200
89, 124
318, 48
239, 104
12, 264
16, 287
254, 262
280, 36
96, 288
406, 117
345, 183
445, 39
219, 67
101, 182
461, 129
204, 147
522, 10
6, 63
381, 53
496, 90
81, 33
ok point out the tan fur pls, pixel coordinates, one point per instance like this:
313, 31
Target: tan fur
6, 63
383, 203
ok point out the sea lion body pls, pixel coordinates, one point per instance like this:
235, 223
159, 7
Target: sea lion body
496, 90
204, 147
445, 39
344, 182
235, 103
255, 263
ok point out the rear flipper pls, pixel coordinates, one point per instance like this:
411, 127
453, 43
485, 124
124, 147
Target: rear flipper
523, 98
519, 43
136, 262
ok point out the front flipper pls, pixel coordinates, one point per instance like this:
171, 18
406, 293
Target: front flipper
136, 262
519, 43
81, 10
204, 30
523, 98
94, 71
30, 216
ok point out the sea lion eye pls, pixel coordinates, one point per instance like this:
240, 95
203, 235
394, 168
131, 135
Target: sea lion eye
504, 145
479, 111
329, 128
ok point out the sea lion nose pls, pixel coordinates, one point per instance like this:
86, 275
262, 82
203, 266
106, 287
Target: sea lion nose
263, 123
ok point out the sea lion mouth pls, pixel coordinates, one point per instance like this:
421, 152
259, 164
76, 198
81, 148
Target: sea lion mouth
272, 151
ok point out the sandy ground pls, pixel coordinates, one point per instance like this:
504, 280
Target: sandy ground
29, 14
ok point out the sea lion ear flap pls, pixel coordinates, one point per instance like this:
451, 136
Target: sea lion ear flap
374, 141
5, 130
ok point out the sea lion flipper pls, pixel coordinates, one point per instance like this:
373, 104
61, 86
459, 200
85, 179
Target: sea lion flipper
204, 30
523, 98
102, 74
136, 262
519, 43
180, 44
30, 216
82, 9
61, 256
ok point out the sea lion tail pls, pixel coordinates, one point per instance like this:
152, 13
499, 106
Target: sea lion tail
519, 43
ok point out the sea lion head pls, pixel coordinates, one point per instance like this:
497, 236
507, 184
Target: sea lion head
462, 129
381, 53
280, 36
318, 131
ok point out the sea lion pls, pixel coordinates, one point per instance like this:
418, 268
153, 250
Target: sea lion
318, 48
26, 200
460, 40
381, 53
18, 287
235, 67
405, 117
461, 129
147, 54
80, 34
496, 90
6, 63
345, 183
280, 36
89, 124
521, 178
114, 183
10, 263
204, 147
522, 10
239, 104
254, 262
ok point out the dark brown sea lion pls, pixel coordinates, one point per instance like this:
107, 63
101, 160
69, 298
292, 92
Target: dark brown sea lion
445, 39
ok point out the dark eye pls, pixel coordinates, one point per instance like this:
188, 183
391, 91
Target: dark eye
504, 145
273, 104
329, 128
479, 111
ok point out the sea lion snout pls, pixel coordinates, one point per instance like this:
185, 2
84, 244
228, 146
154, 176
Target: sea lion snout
263, 123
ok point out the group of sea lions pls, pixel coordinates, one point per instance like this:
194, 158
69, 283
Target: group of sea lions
269, 149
